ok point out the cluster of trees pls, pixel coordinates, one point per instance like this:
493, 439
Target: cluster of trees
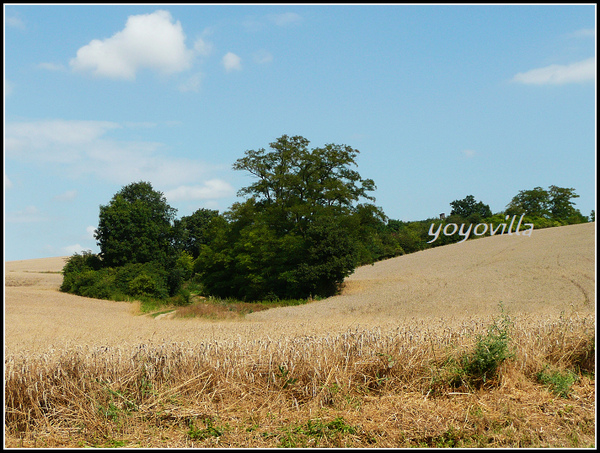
307, 221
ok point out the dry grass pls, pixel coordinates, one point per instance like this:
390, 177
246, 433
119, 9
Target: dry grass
369, 368
386, 387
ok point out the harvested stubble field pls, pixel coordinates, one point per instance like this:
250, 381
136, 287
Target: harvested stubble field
377, 366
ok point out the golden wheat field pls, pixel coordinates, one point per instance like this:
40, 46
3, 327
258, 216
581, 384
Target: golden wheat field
380, 365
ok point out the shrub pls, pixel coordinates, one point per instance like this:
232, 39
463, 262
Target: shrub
76, 265
491, 350
142, 285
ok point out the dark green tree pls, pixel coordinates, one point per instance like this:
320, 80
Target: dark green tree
192, 231
136, 226
561, 207
298, 233
469, 207
534, 202
553, 204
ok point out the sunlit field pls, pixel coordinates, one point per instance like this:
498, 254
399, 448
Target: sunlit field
487, 343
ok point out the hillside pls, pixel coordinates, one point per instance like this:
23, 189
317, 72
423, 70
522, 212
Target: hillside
550, 272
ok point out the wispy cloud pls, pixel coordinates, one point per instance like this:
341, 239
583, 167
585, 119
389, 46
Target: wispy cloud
231, 62
83, 148
583, 33
29, 214
284, 19
66, 196
578, 72
203, 48
151, 41
262, 56
72, 249
52, 66
53, 140
468, 153
191, 84
258, 23
90, 232
8, 87
15, 22
212, 189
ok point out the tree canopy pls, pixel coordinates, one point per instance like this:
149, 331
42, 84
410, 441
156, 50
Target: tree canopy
469, 207
298, 234
136, 227
553, 204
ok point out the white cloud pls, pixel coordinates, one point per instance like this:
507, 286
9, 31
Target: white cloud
281, 20
82, 148
583, 33
468, 153
148, 41
191, 84
232, 62
262, 57
51, 66
72, 249
66, 196
203, 48
581, 71
53, 140
212, 189
90, 230
15, 22
7, 183
8, 87
29, 214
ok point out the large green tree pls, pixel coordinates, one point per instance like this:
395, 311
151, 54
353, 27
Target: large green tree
299, 231
136, 226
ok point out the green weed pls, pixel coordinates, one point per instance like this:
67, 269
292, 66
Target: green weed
201, 434
559, 382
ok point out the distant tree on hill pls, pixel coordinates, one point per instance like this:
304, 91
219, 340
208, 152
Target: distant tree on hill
553, 204
469, 207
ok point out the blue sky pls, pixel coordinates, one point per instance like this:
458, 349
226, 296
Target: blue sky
441, 101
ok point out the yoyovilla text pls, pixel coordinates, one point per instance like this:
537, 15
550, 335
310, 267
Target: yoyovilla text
480, 229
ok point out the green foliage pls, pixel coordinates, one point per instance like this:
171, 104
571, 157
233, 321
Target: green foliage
204, 433
469, 208
553, 204
315, 431
132, 280
300, 232
76, 265
491, 350
136, 227
193, 231
559, 382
